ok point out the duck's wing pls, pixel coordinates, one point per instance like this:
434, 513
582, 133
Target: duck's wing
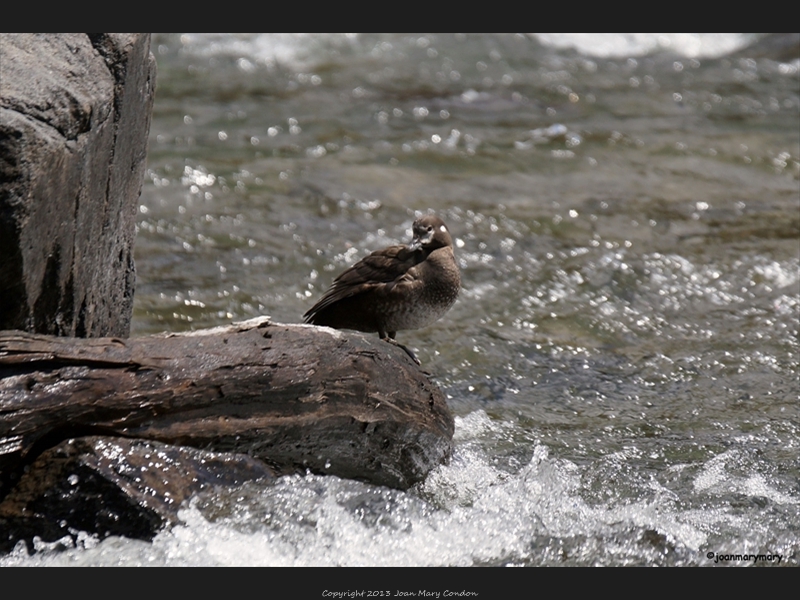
383, 268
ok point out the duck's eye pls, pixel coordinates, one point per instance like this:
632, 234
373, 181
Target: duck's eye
430, 228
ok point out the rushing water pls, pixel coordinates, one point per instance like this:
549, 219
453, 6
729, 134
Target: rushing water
623, 359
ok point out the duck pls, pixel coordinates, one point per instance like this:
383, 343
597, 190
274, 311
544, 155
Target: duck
395, 289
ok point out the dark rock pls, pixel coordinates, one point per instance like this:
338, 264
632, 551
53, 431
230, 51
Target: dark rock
106, 486
74, 121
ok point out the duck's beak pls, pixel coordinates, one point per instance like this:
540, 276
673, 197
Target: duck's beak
420, 239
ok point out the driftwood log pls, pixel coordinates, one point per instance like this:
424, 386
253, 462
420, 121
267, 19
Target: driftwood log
296, 397
256, 398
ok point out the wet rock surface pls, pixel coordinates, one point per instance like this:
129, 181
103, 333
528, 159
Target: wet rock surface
104, 486
75, 114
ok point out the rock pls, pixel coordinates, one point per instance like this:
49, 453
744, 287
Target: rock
105, 486
74, 121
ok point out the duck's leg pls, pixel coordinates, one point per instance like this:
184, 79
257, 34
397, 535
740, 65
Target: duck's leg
390, 338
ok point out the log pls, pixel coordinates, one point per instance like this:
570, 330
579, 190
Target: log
297, 397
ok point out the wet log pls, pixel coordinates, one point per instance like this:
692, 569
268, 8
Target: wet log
294, 396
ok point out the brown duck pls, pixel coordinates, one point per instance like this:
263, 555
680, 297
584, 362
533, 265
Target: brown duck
397, 288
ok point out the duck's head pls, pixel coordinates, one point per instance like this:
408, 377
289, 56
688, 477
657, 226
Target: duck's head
430, 233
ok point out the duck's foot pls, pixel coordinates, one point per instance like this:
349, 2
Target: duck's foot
399, 345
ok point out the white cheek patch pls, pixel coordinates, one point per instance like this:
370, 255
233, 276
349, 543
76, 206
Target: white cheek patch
442, 228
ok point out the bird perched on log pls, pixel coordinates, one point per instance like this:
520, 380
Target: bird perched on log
397, 288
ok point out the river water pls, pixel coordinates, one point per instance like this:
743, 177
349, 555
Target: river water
623, 359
